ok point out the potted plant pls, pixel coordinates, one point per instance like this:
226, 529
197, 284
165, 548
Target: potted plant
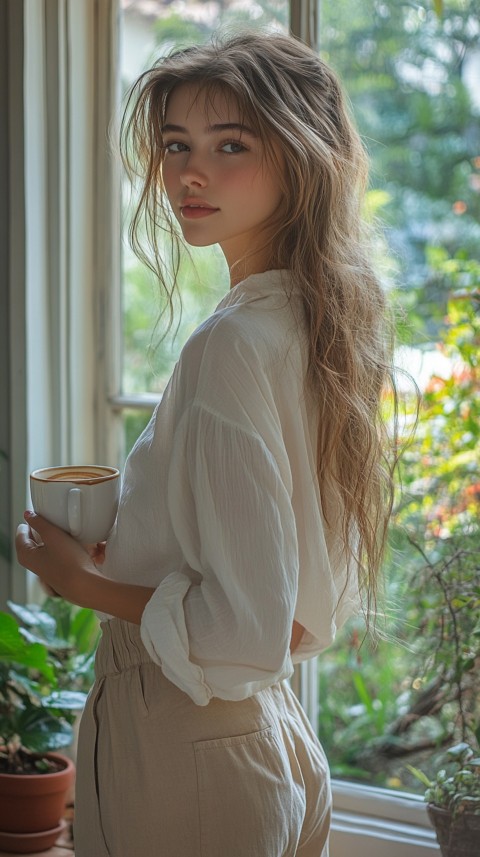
36, 716
453, 802
71, 636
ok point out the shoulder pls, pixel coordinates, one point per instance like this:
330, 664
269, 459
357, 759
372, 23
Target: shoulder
232, 337
260, 330
238, 358
252, 349
226, 360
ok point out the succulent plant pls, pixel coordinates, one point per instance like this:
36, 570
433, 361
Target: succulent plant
456, 788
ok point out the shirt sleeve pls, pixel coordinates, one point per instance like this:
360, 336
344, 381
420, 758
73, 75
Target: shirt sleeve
221, 626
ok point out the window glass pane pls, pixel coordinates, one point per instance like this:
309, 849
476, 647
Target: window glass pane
413, 81
134, 421
149, 30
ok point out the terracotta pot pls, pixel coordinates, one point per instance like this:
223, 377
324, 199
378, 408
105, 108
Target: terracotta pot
34, 803
459, 837
29, 843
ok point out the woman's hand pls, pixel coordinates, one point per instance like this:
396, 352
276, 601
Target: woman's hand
97, 552
69, 569
61, 563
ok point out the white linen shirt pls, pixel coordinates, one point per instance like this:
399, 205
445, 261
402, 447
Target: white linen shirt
220, 508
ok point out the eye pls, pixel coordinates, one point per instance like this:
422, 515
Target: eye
175, 146
233, 147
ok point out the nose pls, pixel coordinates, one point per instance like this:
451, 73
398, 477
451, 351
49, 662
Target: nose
192, 174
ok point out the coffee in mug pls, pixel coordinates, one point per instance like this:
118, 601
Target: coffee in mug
81, 499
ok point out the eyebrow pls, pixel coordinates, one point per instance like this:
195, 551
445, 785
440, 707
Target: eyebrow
212, 129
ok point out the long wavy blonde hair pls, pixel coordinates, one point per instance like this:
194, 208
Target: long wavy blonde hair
293, 98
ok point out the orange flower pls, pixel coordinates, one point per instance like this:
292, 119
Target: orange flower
459, 207
473, 490
435, 384
462, 374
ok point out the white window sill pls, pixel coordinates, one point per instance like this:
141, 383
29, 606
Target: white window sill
370, 822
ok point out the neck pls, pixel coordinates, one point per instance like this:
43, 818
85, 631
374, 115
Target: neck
256, 263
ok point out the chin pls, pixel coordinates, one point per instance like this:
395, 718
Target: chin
199, 242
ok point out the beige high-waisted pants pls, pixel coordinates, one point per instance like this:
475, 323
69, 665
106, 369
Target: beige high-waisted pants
158, 776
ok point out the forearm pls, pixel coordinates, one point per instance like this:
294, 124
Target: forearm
127, 601
123, 600
64, 566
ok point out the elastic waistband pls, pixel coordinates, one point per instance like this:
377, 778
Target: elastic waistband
120, 648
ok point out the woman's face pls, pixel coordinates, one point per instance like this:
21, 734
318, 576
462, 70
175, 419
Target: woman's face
220, 186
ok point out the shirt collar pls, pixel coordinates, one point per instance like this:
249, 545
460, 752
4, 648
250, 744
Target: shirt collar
269, 284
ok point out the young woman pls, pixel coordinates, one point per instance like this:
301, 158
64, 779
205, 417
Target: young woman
255, 503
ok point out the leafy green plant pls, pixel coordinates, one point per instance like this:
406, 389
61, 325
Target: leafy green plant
70, 635
39, 666
457, 787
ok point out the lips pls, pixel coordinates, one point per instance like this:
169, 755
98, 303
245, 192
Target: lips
193, 209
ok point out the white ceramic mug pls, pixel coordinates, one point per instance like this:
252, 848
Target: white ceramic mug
82, 500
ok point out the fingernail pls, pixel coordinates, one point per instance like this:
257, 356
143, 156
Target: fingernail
28, 514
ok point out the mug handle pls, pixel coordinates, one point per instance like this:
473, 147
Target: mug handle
74, 511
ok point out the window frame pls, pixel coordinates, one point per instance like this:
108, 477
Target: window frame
13, 418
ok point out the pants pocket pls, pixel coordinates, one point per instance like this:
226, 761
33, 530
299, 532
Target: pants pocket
249, 804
